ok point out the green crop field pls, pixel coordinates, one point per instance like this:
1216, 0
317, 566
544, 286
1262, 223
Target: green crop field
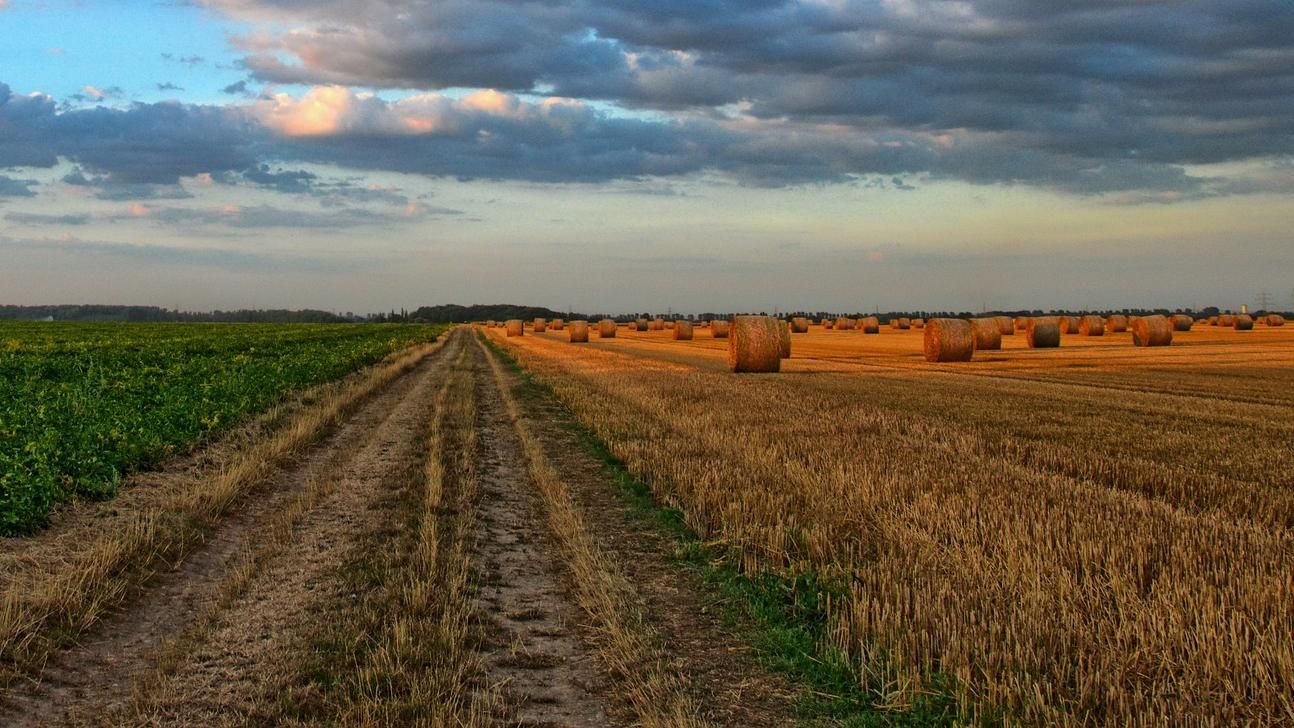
83, 404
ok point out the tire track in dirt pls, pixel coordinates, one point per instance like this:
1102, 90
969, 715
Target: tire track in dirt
100, 674
534, 650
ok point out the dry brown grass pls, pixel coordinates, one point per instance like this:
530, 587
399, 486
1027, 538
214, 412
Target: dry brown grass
1148, 585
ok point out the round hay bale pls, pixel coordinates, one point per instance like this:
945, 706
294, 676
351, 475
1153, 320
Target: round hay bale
784, 339
1042, 333
1226, 319
579, 332
1152, 331
1021, 323
1213, 321
557, 324
1067, 324
870, 325
656, 325
1182, 322
1275, 319
1005, 325
949, 340
844, 324
539, 326
755, 344
682, 330
515, 328
986, 334
1116, 323
897, 324
799, 325
905, 323
1091, 326
1244, 322
719, 329
641, 325
607, 329
918, 323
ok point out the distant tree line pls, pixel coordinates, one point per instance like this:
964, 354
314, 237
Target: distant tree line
157, 314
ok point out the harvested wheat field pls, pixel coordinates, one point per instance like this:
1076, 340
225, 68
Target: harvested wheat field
1092, 534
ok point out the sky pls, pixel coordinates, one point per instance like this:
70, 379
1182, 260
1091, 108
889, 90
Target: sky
618, 156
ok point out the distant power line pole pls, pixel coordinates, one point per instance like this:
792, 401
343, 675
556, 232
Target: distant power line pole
1264, 301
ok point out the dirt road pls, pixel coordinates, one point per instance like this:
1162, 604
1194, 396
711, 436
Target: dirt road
423, 562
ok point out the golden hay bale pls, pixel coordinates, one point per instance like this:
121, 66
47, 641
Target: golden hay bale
799, 325
515, 328
918, 323
784, 339
669, 324
1213, 321
489, 324
949, 340
579, 331
985, 334
539, 326
1067, 324
844, 324
657, 325
1042, 333
1226, 319
1275, 319
1021, 323
1244, 322
827, 324
900, 324
607, 329
682, 330
1091, 326
1182, 322
1152, 331
1116, 323
1005, 325
755, 344
641, 325
719, 329
870, 325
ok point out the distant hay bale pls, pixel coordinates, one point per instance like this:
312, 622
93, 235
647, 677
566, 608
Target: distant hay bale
1244, 322
986, 334
826, 323
784, 339
719, 329
657, 325
1091, 326
1226, 319
1005, 325
1213, 321
641, 325
682, 330
1116, 323
755, 344
844, 324
918, 323
539, 326
489, 324
1182, 322
1067, 324
515, 328
900, 324
870, 325
1042, 333
1152, 331
799, 325
607, 329
557, 324
1275, 319
579, 331
1021, 323
669, 324
948, 340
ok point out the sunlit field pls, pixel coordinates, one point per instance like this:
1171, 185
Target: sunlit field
1096, 533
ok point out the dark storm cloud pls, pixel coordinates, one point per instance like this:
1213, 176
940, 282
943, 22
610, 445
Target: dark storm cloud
1163, 83
10, 187
32, 218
